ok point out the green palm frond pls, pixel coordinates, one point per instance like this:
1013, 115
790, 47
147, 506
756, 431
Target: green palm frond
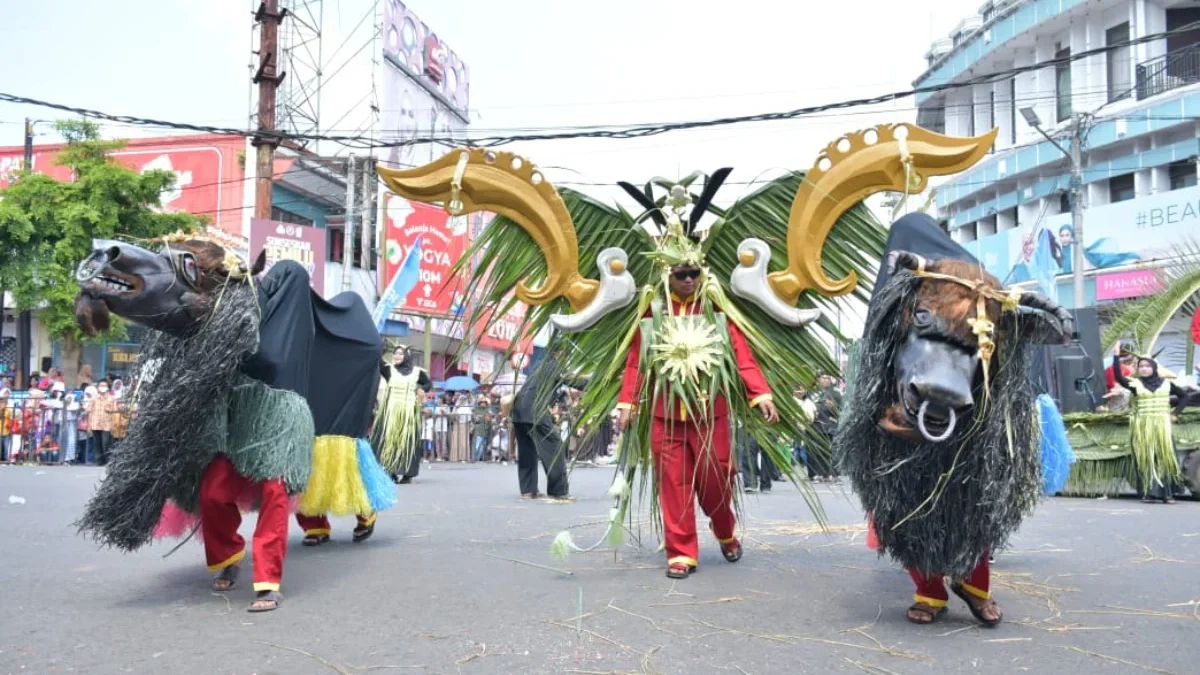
1143, 320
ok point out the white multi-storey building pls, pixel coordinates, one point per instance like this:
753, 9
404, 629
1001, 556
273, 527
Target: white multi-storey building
1139, 99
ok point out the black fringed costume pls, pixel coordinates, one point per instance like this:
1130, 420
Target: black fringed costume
939, 507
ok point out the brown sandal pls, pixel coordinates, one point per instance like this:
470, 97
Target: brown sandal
975, 611
927, 613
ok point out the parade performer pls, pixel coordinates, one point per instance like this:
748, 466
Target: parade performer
941, 434
397, 430
1150, 428
689, 436
740, 312
233, 407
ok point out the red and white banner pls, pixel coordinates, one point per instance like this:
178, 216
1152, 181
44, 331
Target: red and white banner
443, 241
504, 331
208, 178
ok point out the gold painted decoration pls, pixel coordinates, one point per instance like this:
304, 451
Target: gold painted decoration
891, 157
507, 185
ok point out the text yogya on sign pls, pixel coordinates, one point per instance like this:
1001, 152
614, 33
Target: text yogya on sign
443, 240
286, 241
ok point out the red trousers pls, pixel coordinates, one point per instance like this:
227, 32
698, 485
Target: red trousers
932, 591
319, 525
692, 461
223, 546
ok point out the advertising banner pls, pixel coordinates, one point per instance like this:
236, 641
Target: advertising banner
1121, 285
442, 242
285, 241
207, 175
1138, 230
504, 331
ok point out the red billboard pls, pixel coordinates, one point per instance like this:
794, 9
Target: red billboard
443, 241
209, 179
286, 241
503, 332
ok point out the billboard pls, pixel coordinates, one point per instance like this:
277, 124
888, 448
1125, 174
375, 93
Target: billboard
410, 45
443, 241
424, 91
504, 331
1138, 230
208, 176
285, 241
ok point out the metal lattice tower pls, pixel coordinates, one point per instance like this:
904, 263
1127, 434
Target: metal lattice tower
299, 98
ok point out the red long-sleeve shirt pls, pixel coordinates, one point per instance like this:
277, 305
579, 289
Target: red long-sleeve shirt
755, 383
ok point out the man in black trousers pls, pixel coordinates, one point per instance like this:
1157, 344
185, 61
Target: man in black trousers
538, 436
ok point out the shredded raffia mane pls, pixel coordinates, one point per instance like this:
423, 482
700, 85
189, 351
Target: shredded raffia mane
181, 391
938, 507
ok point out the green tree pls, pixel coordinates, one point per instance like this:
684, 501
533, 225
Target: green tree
47, 227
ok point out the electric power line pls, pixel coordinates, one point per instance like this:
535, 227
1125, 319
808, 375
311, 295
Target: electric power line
619, 131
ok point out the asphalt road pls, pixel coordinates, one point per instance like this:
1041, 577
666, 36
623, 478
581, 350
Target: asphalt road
449, 584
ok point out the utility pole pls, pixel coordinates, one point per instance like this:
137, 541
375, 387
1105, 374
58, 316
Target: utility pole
1077, 133
348, 231
25, 320
267, 78
367, 200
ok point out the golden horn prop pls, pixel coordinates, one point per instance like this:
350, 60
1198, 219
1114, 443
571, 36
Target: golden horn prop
893, 157
510, 186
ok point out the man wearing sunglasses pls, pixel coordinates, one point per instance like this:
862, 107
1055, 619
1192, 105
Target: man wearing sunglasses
692, 451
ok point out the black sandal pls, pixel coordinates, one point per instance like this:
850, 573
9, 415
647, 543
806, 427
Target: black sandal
732, 551
969, 599
272, 597
229, 574
364, 532
679, 570
929, 613
315, 539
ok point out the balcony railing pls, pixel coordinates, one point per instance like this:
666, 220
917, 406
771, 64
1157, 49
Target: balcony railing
1170, 71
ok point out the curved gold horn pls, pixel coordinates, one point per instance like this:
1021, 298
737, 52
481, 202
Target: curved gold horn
510, 186
893, 157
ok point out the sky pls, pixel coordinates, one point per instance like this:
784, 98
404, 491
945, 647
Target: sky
534, 63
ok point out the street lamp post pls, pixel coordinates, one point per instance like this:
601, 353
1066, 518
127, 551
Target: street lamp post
1075, 154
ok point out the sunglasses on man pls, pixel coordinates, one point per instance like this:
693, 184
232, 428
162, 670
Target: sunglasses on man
684, 275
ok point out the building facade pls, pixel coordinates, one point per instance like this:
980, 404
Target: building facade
1136, 99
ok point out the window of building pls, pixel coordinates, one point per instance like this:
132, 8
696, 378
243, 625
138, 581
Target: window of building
1120, 84
971, 116
932, 117
336, 248
991, 114
282, 216
1183, 174
1012, 111
1062, 83
1120, 188
1064, 202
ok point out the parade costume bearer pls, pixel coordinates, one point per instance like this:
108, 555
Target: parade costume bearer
250, 393
694, 324
690, 442
397, 430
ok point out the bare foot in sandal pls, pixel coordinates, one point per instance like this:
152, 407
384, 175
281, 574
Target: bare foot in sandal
924, 614
985, 610
265, 601
226, 578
